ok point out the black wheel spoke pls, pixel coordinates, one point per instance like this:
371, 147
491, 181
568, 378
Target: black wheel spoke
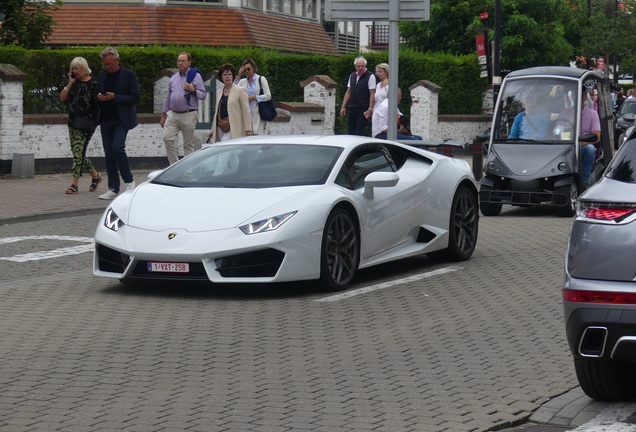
464, 223
341, 249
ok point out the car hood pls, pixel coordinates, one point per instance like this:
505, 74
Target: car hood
528, 159
158, 207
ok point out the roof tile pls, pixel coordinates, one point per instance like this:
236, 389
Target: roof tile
145, 25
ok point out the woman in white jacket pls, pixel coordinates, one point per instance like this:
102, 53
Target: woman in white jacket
253, 83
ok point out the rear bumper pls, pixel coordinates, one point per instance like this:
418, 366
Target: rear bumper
603, 333
600, 330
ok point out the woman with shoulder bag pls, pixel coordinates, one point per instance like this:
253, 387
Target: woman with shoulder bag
232, 118
258, 93
80, 94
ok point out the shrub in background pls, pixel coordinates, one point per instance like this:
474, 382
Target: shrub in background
47, 73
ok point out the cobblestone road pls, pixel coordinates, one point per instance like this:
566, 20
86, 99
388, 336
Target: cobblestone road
467, 350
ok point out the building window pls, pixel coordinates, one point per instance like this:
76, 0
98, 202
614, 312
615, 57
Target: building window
252, 4
299, 8
197, 1
379, 36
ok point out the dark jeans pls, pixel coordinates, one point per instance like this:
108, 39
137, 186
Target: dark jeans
357, 121
114, 141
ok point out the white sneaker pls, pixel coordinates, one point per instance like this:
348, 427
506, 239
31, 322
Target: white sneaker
108, 195
129, 186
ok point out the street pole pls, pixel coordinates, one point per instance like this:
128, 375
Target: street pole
615, 71
496, 68
589, 21
394, 47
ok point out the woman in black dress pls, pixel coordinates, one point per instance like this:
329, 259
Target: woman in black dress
80, 95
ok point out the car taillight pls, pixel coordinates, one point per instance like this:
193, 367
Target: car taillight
604, 212
599, 297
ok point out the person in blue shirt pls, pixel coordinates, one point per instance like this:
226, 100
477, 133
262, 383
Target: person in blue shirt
532, 123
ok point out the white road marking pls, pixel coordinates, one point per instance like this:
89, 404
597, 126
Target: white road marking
389, 284
55, 253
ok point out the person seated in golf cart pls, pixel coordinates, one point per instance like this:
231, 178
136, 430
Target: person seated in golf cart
532, 123
590, 124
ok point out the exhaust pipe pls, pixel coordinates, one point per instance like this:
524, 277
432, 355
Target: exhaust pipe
593, 342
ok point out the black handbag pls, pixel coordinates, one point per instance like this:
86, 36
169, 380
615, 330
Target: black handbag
84, 124
266, 109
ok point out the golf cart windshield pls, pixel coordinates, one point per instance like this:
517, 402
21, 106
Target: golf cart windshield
537, 110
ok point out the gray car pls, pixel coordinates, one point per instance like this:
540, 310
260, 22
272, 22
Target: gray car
599, 293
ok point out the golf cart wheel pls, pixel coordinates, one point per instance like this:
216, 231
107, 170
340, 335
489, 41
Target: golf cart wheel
340, 253
488, 209
571, 192
605, 380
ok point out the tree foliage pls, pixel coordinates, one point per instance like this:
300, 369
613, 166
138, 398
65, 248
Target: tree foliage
533, 32
27, 23
610, 33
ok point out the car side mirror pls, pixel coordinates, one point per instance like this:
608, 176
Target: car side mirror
588, 138
154, 174
379, 179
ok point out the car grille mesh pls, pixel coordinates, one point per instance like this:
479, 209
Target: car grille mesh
111, 261
263, 263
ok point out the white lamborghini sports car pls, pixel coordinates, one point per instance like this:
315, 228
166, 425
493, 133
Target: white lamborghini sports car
268, 209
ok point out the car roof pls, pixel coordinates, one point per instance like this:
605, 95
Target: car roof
323, 140
565, 71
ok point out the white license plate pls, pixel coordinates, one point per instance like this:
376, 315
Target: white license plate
168, 267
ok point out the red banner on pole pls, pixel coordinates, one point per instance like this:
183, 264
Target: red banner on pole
480, 40
481, 44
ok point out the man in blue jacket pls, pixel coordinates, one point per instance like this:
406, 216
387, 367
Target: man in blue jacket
119, 96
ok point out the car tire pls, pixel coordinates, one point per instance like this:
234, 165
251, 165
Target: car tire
571, 191
463, 230
606, 380
489, 209
340, 251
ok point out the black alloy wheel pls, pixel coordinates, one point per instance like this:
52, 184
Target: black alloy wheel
464, 227
340, 254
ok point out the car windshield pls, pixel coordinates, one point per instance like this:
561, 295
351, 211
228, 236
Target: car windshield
623, 166
253, 166
628, 107
537, 110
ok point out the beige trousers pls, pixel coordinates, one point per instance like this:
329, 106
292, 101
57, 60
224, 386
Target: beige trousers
184, 123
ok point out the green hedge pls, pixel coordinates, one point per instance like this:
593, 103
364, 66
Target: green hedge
47, 72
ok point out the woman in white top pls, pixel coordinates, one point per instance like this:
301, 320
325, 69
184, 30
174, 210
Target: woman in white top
252, 85
382, 89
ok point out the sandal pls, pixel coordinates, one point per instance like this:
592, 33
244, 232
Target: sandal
95, 182
72, 190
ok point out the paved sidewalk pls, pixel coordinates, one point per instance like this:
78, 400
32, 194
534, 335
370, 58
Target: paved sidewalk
44, 197
566, 412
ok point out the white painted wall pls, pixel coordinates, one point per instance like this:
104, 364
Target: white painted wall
49, 139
